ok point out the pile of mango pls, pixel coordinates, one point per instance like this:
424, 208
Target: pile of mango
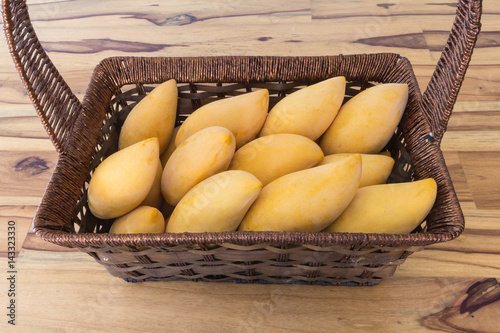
312, 163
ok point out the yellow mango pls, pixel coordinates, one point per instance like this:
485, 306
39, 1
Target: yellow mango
396, 208
270, 157
243, 115
200, 156
123, 180
366, 122
308, 111
153, 116
170, 148
375, 168
307, 200
216, 204
154, 197
141, 220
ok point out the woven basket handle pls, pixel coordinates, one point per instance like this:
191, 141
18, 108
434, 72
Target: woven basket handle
442, 91
54, 101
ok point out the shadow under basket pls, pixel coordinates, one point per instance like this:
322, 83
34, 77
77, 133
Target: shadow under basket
86, 132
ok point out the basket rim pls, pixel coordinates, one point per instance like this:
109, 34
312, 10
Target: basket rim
245, 62
94, 240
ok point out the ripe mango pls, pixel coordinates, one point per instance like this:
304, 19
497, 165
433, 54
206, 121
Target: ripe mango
123, 180
307, 200
270, 157
366, 122
200, 156
216, 204
243, 115
308, 111
388, 208
375, 168
141, 220
154, 197
153, 116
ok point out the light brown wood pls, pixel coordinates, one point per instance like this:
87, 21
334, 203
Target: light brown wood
450, 287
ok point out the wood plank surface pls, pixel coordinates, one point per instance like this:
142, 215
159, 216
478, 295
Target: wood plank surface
448, 287
216, 307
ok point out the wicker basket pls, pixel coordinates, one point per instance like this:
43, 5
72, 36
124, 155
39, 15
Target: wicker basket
85, 132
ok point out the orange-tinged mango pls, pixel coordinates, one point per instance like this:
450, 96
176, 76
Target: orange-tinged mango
243, 115
307, 200
366, 122
123, 180
141, 220
153, 116
270, 157
308, 111
375, 168
388, 208
216, 204
202, 155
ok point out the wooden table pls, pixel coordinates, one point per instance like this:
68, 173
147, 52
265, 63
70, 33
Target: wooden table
438, 289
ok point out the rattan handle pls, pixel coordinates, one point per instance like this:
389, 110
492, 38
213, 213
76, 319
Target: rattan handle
54, 101
442, 91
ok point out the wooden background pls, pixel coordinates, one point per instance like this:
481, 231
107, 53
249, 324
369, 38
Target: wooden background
452, 287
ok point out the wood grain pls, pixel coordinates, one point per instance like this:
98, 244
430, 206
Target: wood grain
448, 287
481, 169
215, 307
458, 177
22, 170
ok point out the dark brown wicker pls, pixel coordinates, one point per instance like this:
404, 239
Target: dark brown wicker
85, 132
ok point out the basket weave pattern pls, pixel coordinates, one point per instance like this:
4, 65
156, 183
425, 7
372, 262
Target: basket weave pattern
84, 133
